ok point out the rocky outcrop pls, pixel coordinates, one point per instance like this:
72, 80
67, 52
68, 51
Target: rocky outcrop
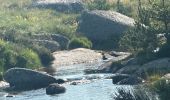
73, 6
161, 66
55, 89
103, 26
62, 40
125, 79
112, 65
26, 79
118, 77
50, 45
132, 80
53, 42
130, 69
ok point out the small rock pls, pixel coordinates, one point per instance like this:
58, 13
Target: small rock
55, 89
60, 81
10, 96
73, 83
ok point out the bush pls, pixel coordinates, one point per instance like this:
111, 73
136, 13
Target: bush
136, 94
162, 87
164, 51
44, 54
12, 55
99, 4
124, 9
141, 41
30, 59
80, 42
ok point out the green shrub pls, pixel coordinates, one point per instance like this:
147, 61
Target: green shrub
32, 60
137, 94
44, 54
162, 87
99, 5
13, 55
141, 41
124, 9
164, 51
80, 42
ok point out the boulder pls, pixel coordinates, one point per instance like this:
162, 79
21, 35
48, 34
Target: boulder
132, 80
26, 79
67, 6
50, 45
103, 28
118, 77
130, 69
55, 89
161, 66
60, 39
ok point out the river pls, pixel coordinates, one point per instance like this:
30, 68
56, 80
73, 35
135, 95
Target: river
91, 86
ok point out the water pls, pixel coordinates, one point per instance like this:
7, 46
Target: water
93, 87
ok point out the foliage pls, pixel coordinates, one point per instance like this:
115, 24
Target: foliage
164, 51
160, 12
162, 87
80, 42
12, 55
30, 58
136, 94
99, 5
124, 9
138, 40
21, 17
127, 7
45, 55
154, 77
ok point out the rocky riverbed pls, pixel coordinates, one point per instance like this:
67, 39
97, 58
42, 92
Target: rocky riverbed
71, 66
76, 56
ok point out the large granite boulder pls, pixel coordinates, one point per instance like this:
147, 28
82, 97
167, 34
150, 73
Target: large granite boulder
26, 79
73, 6
161, 66
103, 26
62, 40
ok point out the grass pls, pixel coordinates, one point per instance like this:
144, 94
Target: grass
162, 87
20, 16
12, 55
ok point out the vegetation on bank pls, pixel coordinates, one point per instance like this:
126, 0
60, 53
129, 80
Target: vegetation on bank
19, 20
13, 55
81, 42
147, 41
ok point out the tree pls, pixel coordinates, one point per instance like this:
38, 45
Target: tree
161, 12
